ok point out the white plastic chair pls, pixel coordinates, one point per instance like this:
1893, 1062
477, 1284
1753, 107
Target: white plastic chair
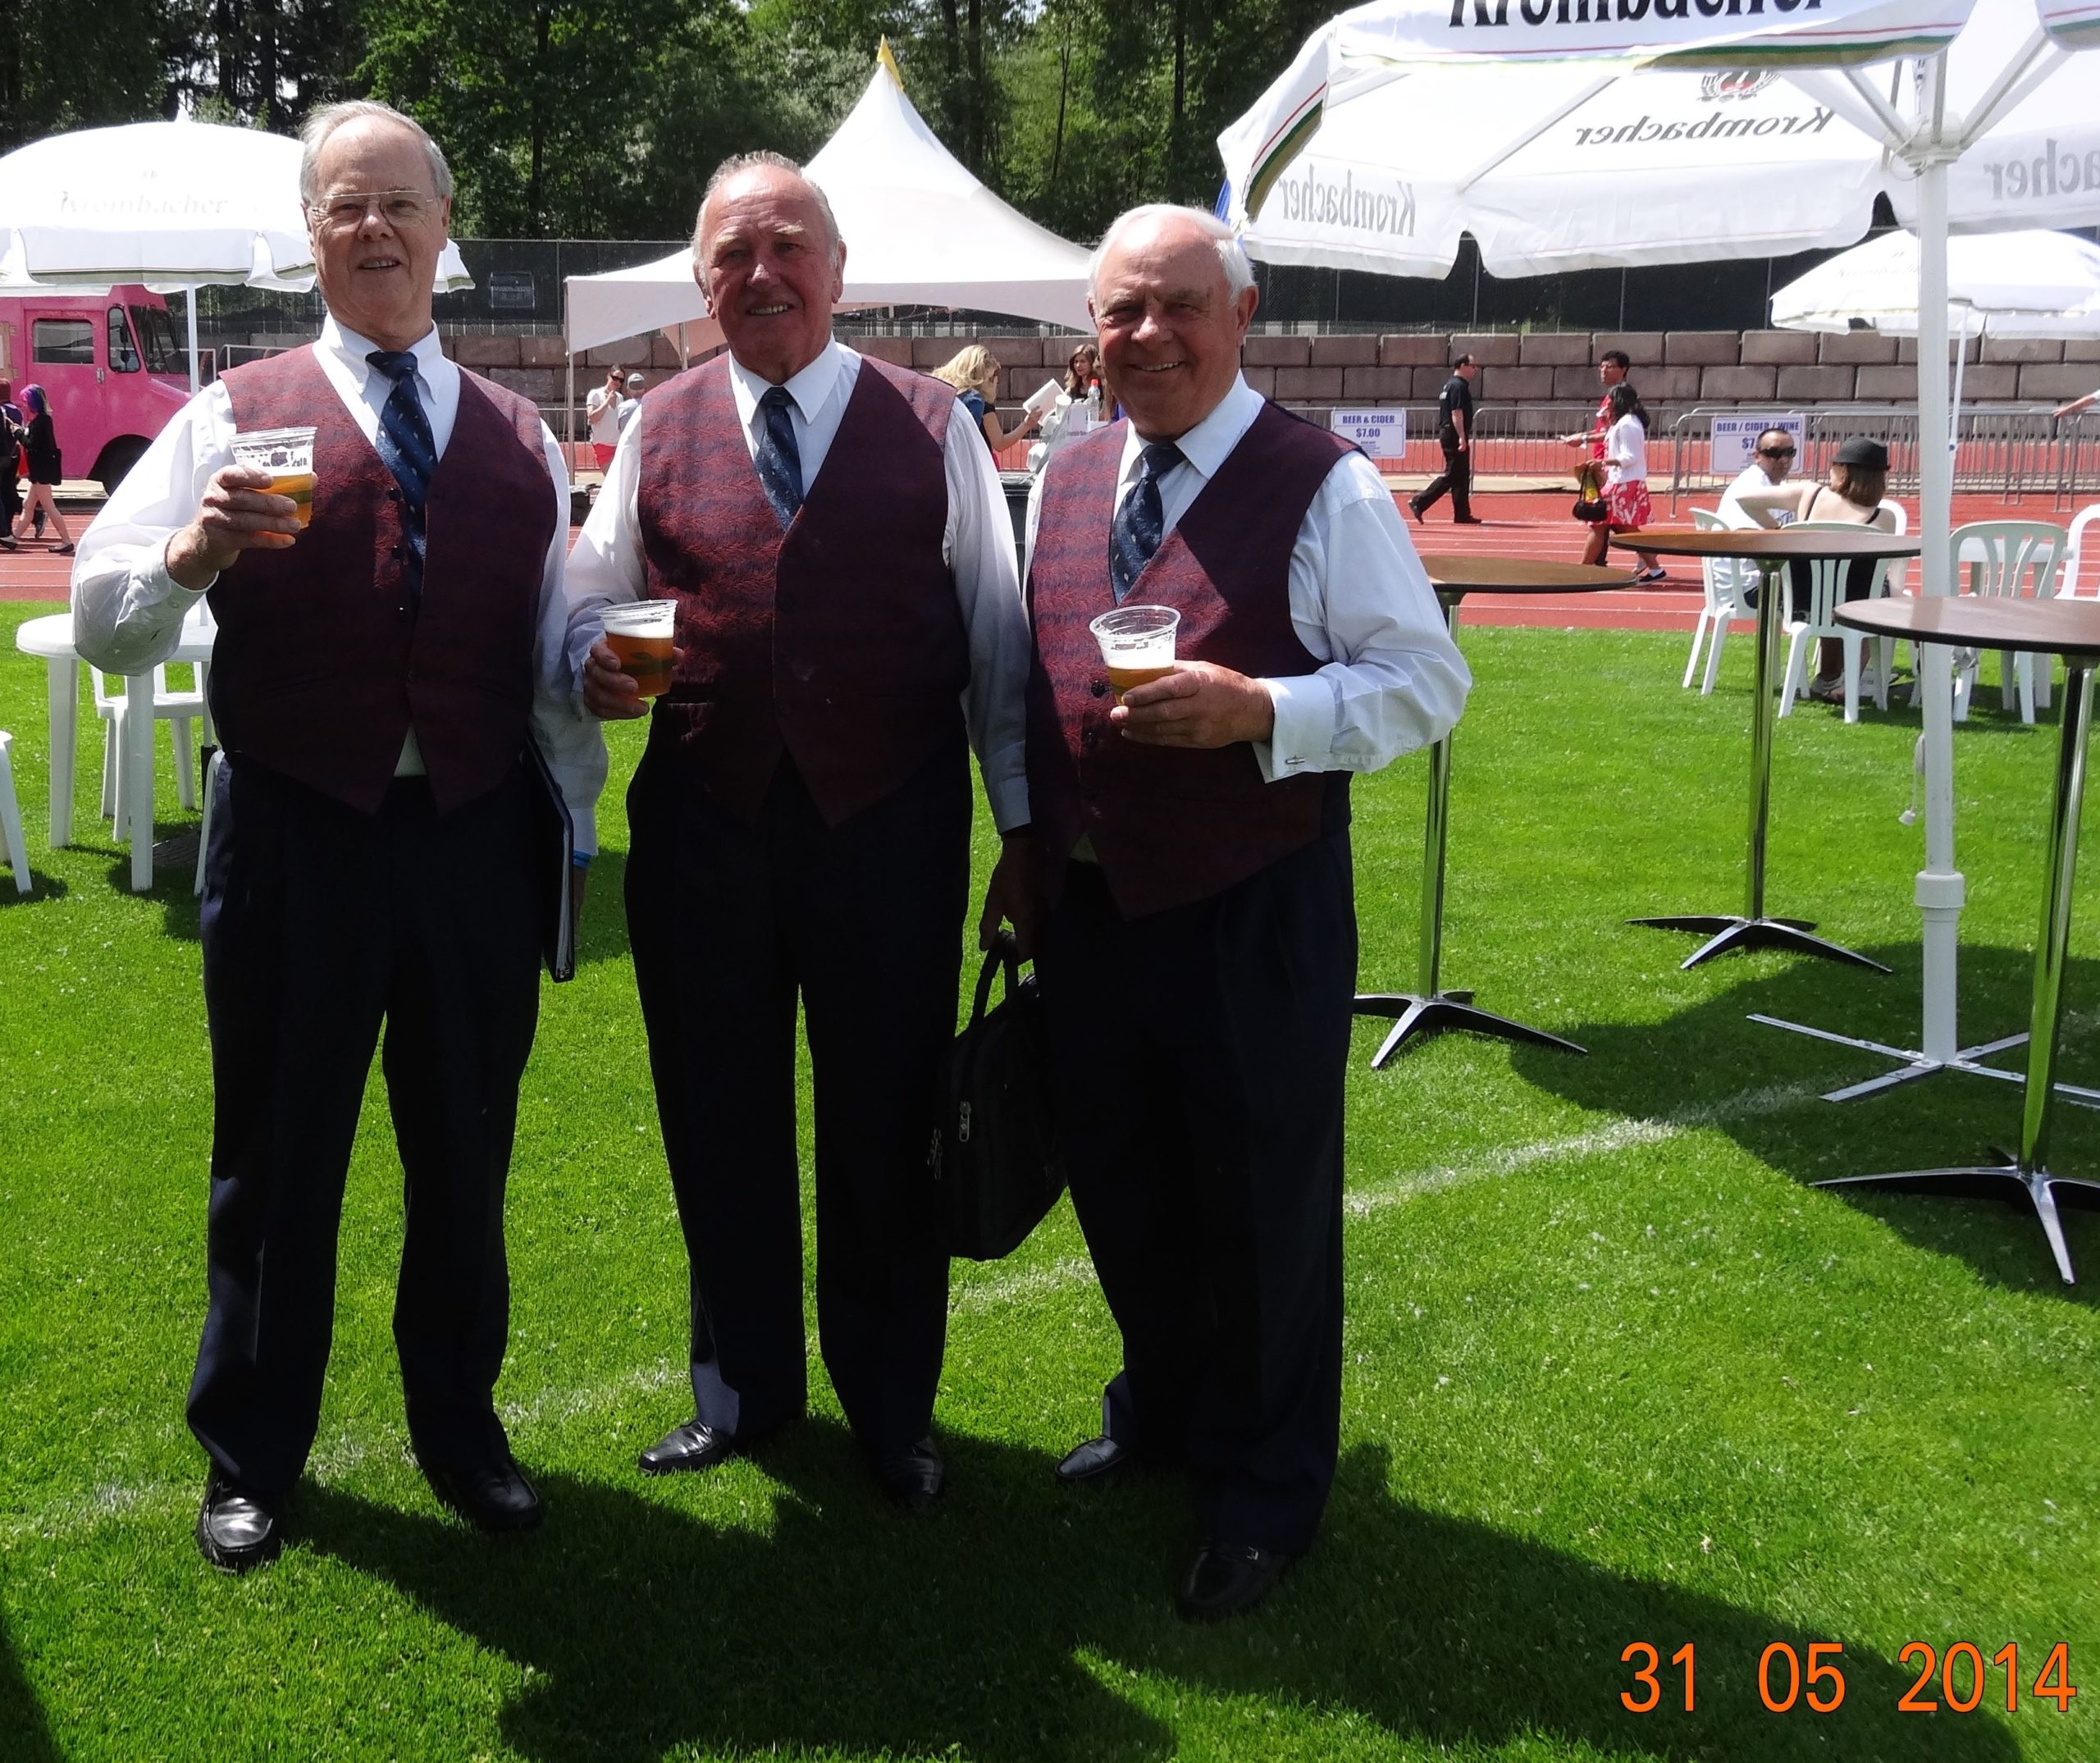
2003, 559
180, 709
2069, 585
1826, 576
11, 818
1725, 577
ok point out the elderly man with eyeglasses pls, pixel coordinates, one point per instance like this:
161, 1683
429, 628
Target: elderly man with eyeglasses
380, 669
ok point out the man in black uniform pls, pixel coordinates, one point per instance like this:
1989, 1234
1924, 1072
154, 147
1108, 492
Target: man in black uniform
1454, 434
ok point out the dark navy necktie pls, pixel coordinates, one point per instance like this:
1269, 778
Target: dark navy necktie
405, 448
1140, 524
779, 458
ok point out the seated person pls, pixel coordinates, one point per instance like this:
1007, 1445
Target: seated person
1851, 496
1772, 459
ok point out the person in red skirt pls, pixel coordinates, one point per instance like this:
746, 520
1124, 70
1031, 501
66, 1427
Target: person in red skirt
1626, 476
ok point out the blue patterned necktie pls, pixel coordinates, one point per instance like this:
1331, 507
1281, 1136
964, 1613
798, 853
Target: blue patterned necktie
1140, 524
405, 448
779, 458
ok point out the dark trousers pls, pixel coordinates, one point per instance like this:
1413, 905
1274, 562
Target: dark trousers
319, 924
1199, 1056
730, 923
1457, 477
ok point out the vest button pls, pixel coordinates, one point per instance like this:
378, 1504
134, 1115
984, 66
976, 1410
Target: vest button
393, 495
1088, 738
1099, 688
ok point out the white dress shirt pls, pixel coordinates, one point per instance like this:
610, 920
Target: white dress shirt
977, 544
128, 611
1390, 678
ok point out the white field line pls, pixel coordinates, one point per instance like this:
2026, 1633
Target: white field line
337, 1456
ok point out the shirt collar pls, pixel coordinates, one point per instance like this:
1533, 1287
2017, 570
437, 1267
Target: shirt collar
351, 348
1207, 445
811, 389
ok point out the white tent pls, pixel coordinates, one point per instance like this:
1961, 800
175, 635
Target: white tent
918, 230
178, 204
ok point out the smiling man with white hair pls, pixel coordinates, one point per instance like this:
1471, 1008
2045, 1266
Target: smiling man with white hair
1197, 957
832, 533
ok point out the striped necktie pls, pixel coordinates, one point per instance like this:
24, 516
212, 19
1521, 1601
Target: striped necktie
1140, 524
405, 447
778, 456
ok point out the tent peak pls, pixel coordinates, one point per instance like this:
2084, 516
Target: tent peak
886, 59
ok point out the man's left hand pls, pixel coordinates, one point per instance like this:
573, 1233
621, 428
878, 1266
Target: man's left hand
1198, 704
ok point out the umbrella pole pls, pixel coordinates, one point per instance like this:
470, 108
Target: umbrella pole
1940, 887
190, 312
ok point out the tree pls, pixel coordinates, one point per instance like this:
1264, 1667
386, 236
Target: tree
67, 67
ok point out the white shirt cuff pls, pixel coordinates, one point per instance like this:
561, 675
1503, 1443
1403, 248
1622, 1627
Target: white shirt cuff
1303, 738
153, 586
1008, 796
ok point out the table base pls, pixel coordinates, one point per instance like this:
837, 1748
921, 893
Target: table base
1419, 1016
1916, 1063
1726, 934
1988, 1180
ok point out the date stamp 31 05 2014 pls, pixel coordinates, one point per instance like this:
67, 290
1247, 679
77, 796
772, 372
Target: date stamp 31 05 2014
1956, 1680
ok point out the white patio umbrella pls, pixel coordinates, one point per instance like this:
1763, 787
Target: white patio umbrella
179, 204
1549, 181
918, 230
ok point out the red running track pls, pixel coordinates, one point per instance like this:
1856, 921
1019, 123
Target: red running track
1528, 525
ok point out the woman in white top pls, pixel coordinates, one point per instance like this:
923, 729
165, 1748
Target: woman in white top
1626, 478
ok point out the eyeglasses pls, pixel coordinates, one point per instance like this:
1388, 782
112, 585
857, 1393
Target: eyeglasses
1775, 453
399, 209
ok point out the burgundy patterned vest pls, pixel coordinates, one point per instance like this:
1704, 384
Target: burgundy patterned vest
838, 641
322, 663
1170, 825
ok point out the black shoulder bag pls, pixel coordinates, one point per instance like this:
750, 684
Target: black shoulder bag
994, 1158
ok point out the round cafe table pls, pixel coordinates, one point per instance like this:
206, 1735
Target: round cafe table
1771, 550
2070, 628
1429, 1008
51, 638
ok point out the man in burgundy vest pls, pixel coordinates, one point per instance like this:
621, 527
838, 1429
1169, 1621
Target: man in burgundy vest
834, 540
373, 852
1199, 958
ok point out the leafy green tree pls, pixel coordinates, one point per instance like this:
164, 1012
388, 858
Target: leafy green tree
77, 66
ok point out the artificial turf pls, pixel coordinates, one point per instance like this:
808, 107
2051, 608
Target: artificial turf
1615, 1373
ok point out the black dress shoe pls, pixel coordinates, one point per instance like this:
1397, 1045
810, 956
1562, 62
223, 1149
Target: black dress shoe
237, 1530
495, 1497
1467, 520
1225, 1578
913, 1477
1100, 1459
1414, 508
690, 1445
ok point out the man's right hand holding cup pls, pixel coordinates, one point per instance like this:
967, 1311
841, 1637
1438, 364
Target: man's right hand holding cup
610, 690
237, 514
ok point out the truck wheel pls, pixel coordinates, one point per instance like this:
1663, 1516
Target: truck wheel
117, 459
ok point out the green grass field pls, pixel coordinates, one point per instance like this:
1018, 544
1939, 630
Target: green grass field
1616, 1373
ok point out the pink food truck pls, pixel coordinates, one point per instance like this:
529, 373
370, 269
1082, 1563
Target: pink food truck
112, 364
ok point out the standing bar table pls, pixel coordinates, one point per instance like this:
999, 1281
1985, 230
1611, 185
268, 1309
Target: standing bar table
1771, 550
2070, 628
1429, 1009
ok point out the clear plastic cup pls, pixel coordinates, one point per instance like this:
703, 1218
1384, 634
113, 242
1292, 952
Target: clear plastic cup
287, 456
639, 633
1137, 644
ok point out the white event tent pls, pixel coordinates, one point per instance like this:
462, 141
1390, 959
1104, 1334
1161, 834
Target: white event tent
2024, 284
175, 205
1575, 134
920, 230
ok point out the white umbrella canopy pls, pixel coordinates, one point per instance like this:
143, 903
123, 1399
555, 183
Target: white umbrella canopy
1567, 166
2022, 284
918, 230
172, 204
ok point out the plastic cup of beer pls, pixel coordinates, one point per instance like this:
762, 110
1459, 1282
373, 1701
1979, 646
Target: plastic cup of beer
287, 456
639, 634
1137, 644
